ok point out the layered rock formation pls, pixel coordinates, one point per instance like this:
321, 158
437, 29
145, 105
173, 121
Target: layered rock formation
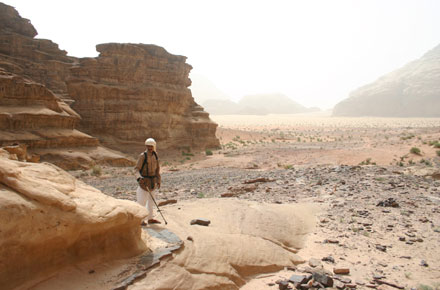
33, 116
49, 219
38, 59
133, 91
127, 94
411, 91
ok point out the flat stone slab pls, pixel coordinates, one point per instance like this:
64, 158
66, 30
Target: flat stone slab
202, 222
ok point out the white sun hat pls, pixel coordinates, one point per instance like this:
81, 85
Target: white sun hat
151, 142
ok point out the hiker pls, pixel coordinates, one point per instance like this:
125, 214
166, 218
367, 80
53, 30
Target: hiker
148, 176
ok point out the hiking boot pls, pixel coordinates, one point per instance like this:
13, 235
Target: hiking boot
153, 221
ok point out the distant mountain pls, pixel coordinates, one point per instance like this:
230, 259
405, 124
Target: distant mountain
411, 91
256, 105
270, 104
203, 89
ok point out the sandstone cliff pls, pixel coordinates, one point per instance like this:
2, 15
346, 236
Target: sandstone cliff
38, 59
411, 91
32, 115
133, 91
128, 93
49, 220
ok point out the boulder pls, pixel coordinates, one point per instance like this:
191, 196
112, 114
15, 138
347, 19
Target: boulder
49, 220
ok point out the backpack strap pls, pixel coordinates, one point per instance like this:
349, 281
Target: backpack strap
145, 163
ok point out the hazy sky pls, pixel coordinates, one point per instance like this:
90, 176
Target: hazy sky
315, 52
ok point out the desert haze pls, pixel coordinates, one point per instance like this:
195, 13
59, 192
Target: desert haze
265, 192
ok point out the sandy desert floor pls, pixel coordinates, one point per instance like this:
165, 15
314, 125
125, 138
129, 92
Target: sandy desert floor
376, 180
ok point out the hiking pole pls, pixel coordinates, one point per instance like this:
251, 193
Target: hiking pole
157, 206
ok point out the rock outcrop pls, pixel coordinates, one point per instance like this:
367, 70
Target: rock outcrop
38, 59
128, 93
49, 219
243, 239
31, 115
411, 91
133, 91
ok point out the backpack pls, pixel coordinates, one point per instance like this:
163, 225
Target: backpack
147, 182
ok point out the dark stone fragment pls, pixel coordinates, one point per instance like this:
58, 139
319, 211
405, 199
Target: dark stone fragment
202, 222
165, 202
390, 202
283, 285
323, 279
329, 259
300, 279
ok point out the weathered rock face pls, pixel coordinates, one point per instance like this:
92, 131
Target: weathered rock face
128, 93
38, 59
32, 115
411, 91
49, 219
134, 91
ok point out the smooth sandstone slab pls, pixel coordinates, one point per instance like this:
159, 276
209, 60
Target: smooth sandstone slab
49, 220
244, 239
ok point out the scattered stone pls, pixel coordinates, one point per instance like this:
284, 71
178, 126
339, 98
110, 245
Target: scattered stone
389, 284
339, 285
378, 277
201, 221
345, 280
402, 239
381, 248
165, 202
325, 280
423, 263
314, 262
424, 220
261, 179
341, 271
189, 238
390, 202
329, 259
299, 279
331, 241
91, 271
283, 285
228, 194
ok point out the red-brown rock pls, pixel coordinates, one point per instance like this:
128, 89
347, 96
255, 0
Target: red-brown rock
133, 91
